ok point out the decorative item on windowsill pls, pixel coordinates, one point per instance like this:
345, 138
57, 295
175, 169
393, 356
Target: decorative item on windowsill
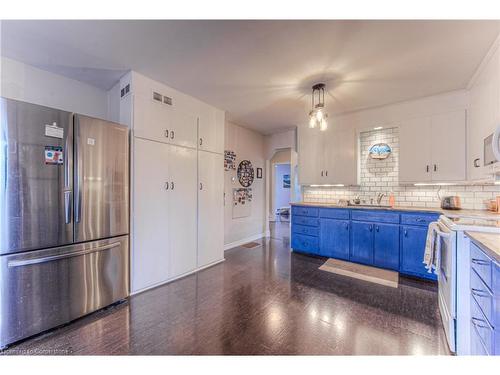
229, 160
318, 115
380, 151
245, 173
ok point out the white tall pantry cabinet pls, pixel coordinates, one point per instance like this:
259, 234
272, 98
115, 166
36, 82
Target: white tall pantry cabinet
177, 210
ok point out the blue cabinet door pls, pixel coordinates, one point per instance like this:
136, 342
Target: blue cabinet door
334, 238
412, 252
362, 242
386, 246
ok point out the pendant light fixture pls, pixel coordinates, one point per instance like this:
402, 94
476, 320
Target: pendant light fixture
317, 115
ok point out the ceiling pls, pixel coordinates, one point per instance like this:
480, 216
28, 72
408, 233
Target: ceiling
261, 72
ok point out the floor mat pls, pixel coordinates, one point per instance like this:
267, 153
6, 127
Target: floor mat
251, 245
361, 272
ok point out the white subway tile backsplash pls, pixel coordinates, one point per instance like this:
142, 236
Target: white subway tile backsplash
382, 176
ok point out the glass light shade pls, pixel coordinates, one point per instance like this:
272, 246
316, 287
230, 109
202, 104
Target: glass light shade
312, 122
323, 125
319, 115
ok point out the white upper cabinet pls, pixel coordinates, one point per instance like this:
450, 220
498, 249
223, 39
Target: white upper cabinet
483, 115
311, 156
448, 146
158, 121
341, 150
327, 158
211, 130
433, 149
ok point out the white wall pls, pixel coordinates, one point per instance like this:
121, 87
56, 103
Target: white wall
278, 141
248, 145
26, 83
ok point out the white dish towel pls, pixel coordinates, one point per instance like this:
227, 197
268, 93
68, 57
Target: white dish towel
432, 244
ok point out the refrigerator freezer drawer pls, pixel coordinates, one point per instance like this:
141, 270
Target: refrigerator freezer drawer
43, 289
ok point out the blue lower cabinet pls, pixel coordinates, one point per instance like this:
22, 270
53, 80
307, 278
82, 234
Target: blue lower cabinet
307, 244
362, 242
386, 246
412, 252
334, 238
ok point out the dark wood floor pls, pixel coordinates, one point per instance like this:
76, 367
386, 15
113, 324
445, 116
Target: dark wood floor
264, 300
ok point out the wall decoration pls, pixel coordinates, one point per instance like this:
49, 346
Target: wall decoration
380, 151
242, 202
229, 160
259, 172
286, 181
245, 173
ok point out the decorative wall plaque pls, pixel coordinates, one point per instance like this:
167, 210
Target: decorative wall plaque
245, 173
380, 151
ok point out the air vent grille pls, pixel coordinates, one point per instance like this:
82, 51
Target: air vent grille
125, 90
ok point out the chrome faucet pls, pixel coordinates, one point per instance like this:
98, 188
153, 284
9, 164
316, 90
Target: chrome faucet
379, 197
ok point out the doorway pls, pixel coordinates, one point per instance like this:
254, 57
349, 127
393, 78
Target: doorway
280, 195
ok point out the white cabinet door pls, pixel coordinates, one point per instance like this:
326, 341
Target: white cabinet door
150, 252
311, 156
181, 235
210, 208
184, 128
448, 146
415, 150
152, 120
211, 131
341, 162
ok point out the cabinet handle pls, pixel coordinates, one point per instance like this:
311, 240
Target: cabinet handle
376, 228
166, 133
419, 220
479, 292
406, 233
371, 227
435, 168
480, 262
476, 163
172, 185
427, 169
477, 322
166, 185
346, 226
201, 186
321, 173
326, 173
201, 141
172, 134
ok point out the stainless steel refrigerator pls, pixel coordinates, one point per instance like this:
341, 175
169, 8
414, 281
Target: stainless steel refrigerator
64, 217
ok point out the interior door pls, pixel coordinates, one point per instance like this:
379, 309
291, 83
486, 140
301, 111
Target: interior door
448, 146
150, 240
415, 150
210, 208
101, 179
182, 224
36, 166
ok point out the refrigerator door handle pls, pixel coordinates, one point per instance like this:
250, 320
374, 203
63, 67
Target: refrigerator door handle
67, 207
27, 262
76, 168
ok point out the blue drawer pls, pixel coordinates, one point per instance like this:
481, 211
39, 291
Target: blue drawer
305, 220
482, 264
302, 229
482, 327
376, 216
334, 213
418, 219
308, 244
482, 296
305, 211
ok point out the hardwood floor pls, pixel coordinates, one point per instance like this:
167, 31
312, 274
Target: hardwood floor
264, 300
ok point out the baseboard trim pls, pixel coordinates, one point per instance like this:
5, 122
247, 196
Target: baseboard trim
245, 240
176, 278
